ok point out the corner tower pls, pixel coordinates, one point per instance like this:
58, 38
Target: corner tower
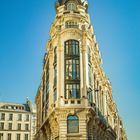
74, 100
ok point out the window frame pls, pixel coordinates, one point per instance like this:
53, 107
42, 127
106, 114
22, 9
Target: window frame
10, 126
1, 136
10, 117
71, 6
18, 136
2, 116
9, 136
71, 24
26, 136
19, 126
19, 117
2, 125
26, 127
71, 120
72, 66
27, 118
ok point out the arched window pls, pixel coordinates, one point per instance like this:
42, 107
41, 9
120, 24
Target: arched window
72, 124
72, 70
71, 5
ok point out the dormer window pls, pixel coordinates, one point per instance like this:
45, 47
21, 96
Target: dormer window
71, 6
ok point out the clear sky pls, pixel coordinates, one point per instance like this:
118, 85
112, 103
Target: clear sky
24, 28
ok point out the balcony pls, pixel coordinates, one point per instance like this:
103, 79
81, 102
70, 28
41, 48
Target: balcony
72, 101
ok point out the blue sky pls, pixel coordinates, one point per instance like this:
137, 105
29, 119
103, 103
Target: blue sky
24, 28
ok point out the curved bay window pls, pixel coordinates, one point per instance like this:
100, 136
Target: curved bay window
72, 70
72, 124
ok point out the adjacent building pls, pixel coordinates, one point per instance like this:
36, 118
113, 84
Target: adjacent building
74, 100
17, 121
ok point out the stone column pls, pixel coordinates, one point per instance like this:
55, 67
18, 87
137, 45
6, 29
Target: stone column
62, 126
105, 102
59, 71
51, 75
85, 69
83, 126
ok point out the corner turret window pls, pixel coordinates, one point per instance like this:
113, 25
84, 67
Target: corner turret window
71, 6
72, 124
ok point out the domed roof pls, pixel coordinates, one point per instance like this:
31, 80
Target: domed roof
63, 1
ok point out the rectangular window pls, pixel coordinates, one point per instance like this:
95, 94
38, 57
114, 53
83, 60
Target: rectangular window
47, 81
26, 137
55, 78
55, 55
90, 76
10, 126
71, 24
55, 95
45, 85
72, 124
72, 70
3, 116
18, 126
90, 96
26, 127
1, 126
18, 136
19, 117
72, 91
27, 117
55, 75
10, 117
89, 55
1, 136
9, 136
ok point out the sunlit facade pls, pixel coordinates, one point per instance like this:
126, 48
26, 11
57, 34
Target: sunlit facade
74, 100
17, 121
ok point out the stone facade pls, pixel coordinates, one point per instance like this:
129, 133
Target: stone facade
17, 121
74, 100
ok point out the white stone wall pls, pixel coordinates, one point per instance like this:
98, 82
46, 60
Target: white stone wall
15, 121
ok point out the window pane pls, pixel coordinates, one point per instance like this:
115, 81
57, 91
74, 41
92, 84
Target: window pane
10, 117
1, 126
74, 70
10, 126
67, 51
77, 50
26, 136
18, 136
9, 136
2, 116
74, 91
73, 124
1, 136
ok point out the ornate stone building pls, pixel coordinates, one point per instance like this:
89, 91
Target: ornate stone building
74, 100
